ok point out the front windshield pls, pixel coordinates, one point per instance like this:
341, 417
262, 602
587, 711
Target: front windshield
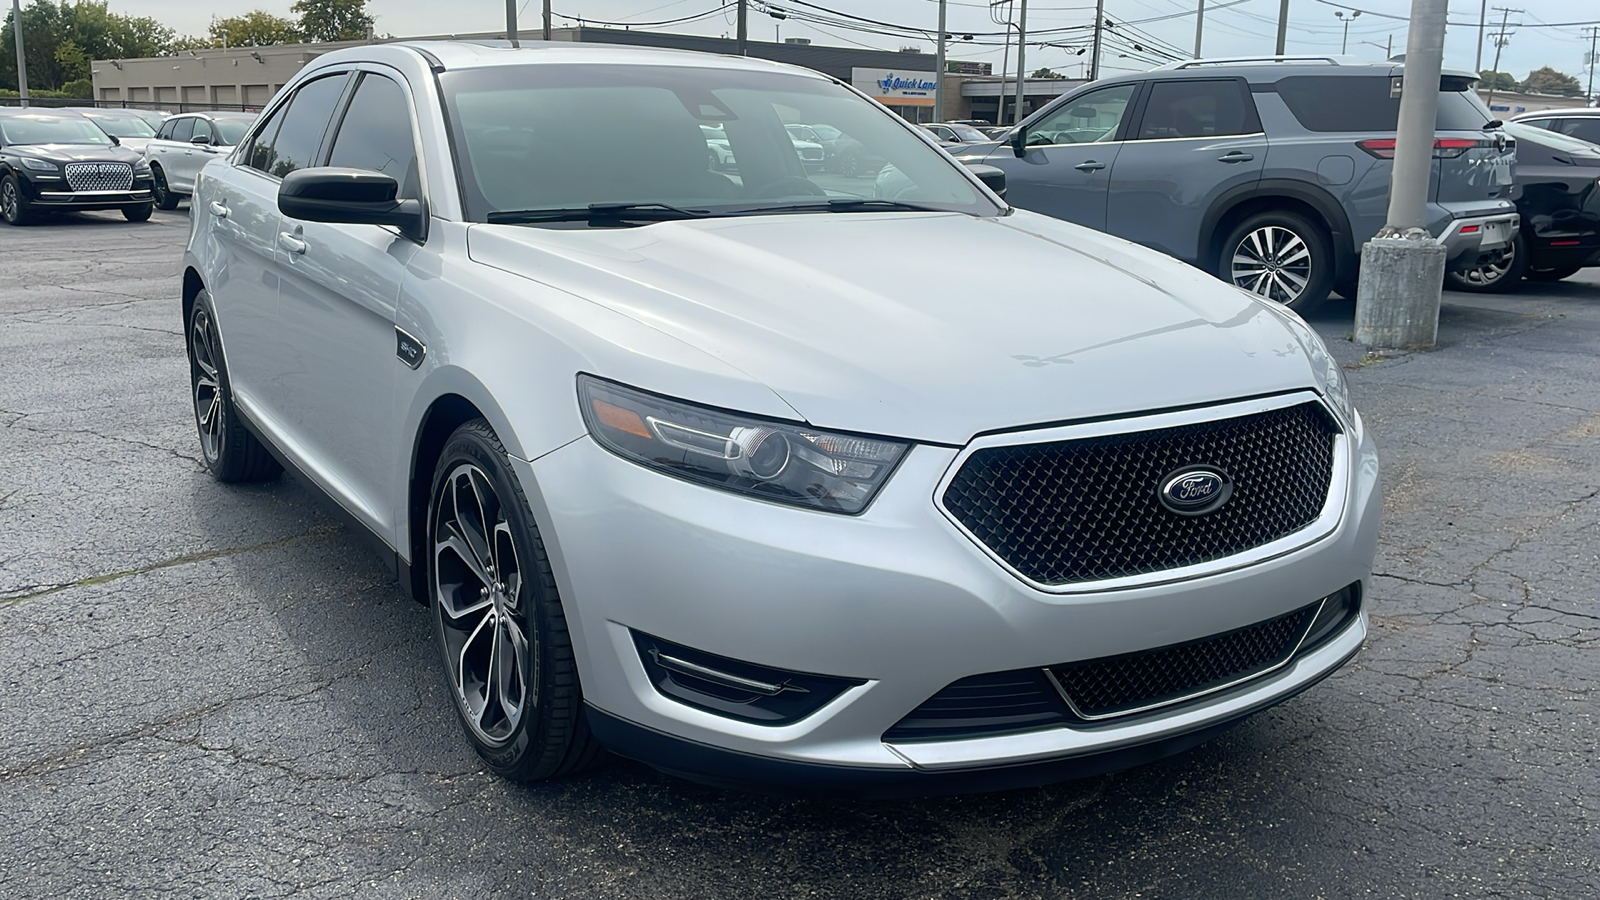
123, 126
968, 133
552, 137
51, 130
231, 131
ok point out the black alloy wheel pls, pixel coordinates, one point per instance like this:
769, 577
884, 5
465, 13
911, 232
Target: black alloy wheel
13, 205
164, 198
498, 619
230, 452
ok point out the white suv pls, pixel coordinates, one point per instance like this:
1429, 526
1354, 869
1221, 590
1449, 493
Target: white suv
731, 474
184, 144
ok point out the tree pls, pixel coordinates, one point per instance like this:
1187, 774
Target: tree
1051, 74
257, 28
333, 20
1499, 81
63, 39
1545, 80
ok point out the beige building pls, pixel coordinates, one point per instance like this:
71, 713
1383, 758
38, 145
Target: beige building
237, 76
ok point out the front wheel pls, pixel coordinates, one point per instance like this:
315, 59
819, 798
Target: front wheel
1281, 256
140, 213
1492, 274
13, 206
498, 619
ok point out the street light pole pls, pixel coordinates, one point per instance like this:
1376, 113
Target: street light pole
1022, 46
1199, 26
22, 62
741, 33
1344, 42
547, 20
1483, 15
1402, 267
511, 21
938, 70
1283, 26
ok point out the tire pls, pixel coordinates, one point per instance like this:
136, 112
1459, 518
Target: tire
140, 213
164, 198
492, 597
13, 205
1547, 275
1499, 276
230, 452
1279, 255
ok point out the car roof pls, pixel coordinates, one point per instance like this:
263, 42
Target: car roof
1263, 69
454, 55
1569, 113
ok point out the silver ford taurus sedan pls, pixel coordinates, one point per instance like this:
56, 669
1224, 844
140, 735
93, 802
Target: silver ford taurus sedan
755, 477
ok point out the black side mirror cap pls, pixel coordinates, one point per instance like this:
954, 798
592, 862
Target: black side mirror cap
992, 177
1018, 138
351, 197
201, 140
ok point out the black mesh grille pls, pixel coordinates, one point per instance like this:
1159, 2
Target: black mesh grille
1089, 509
984, 705
1099, 687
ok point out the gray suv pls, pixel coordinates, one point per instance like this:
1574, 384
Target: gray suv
1268, 172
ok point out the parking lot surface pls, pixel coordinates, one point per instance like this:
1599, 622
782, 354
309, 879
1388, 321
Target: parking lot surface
217, 691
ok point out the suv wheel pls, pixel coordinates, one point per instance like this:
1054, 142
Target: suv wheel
13, 206
164, 197
1551, 274
1282, 256
498, 619
231, 452
1492, 274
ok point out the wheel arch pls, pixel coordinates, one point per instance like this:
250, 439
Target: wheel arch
1308, 200
192, 285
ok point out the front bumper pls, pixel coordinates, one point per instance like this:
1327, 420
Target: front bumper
1466, 238
898, 598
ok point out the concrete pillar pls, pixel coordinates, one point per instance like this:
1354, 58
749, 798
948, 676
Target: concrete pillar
1399, 291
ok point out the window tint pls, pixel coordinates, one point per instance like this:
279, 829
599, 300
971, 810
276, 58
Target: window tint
376, 134
1546, 124
1582, 129
300, 133
202, 129
1088, 119
1180, 109
259, 155
165, 131
182, 129
1335, 103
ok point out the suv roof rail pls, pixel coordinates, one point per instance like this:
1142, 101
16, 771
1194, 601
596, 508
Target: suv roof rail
1245, 60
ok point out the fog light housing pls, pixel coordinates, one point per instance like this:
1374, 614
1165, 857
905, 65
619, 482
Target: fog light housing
729, 687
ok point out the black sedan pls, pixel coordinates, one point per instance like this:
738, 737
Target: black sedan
1556, 180
62, 161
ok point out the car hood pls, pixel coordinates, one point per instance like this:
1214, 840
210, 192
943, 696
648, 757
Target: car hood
65, 153
927, 326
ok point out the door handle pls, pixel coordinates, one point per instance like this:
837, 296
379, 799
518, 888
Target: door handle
291, 243
1234, 156
1089, 166
218, 210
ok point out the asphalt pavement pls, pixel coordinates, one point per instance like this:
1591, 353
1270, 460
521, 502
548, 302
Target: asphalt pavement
217, 691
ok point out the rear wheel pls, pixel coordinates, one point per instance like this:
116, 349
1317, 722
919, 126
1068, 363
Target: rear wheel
1492, 273
1555, 274
1281, 256
164, 197
230, 451
498, 618
13, 206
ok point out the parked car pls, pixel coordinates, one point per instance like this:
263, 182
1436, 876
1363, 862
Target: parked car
130, 130
183, 146
956, 133
686, 467
60, 161
1582, 123
1269, 172
719, 153
844, 154
1559, 203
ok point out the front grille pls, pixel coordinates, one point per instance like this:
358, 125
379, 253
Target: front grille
984, 706
107, 176
1118, 684
1089, 509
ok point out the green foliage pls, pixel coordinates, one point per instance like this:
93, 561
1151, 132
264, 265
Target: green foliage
1545, 80
333, 20
1500, 81
1051, 74
62, 39
256, 28
79, 89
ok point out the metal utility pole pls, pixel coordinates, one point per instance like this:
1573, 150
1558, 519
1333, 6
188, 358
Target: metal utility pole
1094, 54
511, 21
1344, 42
22, 62
1483, 15
938, 71
547, 20
1283, 26
1594, 41
1501, 39
1402, 267
1022, 45
742, 34
1199, 26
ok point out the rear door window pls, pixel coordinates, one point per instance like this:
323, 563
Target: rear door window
1327, 103
1191, 108
1582, 129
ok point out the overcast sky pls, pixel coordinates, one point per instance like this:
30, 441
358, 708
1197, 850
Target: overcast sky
1246, 28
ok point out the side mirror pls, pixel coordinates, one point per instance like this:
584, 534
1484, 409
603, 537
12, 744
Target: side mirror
351, 197
201, 140
1019, 140
993, 178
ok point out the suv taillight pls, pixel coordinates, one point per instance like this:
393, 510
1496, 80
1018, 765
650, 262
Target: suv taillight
1443, 148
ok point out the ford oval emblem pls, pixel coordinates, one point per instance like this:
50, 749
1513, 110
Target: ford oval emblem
1195, 490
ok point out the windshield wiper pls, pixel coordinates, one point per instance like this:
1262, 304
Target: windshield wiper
840, 205
598, 214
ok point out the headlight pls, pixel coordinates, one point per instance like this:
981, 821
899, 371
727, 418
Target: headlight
142, 166
1330, 378
38, 165
779, 461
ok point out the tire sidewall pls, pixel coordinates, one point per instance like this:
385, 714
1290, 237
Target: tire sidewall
469, 445
1510, 281
217, 466
1316, 239
164, 198
10, 185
